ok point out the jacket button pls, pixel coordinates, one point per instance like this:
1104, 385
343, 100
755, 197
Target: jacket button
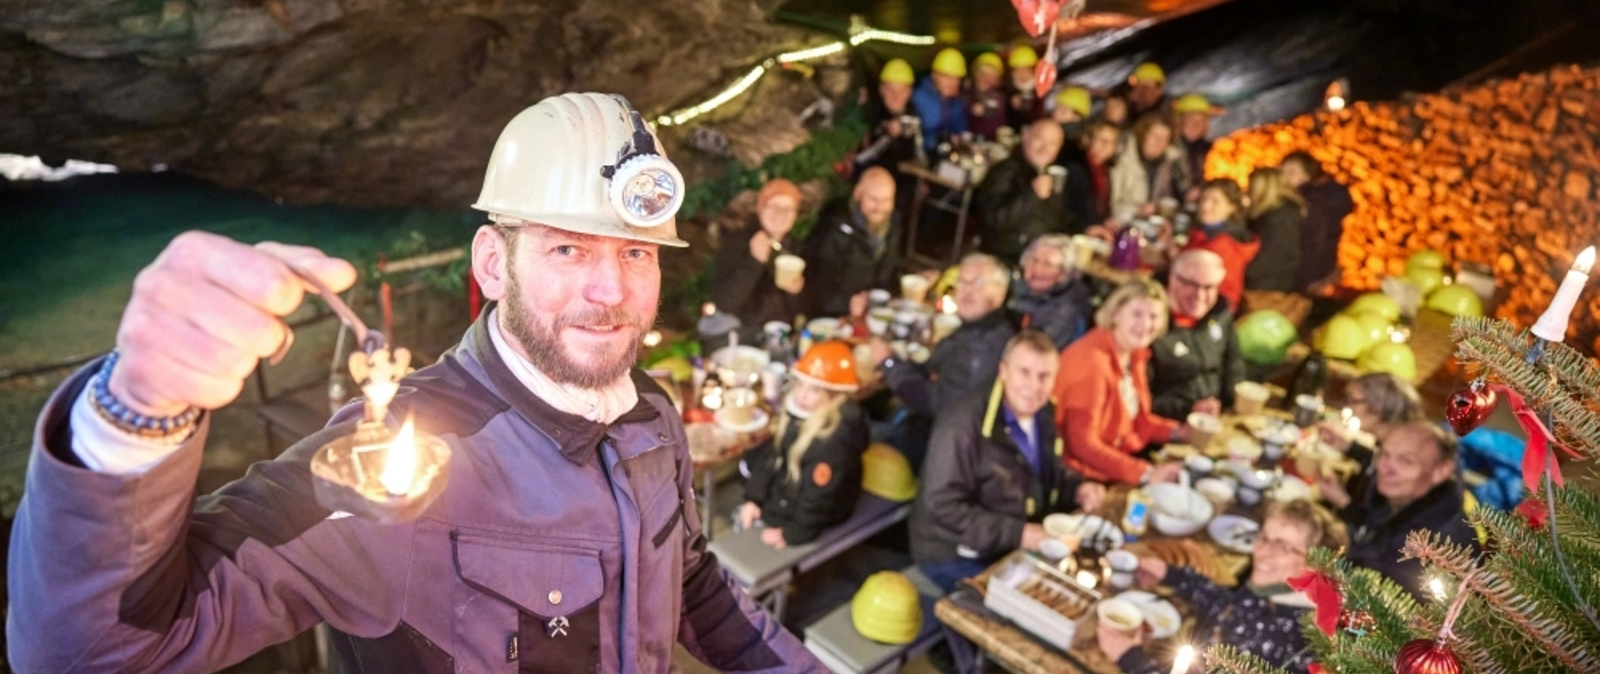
554, 597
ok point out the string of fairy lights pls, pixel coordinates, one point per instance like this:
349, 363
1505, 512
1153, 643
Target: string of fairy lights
860, 34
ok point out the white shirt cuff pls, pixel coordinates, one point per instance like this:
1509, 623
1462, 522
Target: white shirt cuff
104, 448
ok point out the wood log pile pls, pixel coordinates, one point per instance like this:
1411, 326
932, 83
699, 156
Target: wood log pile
1502, 174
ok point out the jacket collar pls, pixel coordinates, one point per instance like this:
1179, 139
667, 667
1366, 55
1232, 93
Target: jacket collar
1046, 428
1440, 496
576, 436
1101, 339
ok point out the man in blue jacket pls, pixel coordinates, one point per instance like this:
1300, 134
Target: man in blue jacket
938, 99
565, 540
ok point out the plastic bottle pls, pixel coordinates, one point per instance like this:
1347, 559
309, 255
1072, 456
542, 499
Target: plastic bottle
804, 344
1137, 517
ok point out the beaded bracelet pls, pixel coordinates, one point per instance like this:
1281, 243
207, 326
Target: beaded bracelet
129, 421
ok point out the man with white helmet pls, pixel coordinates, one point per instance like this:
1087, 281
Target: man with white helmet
565, 540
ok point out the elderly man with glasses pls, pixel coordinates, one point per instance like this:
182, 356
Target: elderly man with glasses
1194, 367
1051, 296
961, 363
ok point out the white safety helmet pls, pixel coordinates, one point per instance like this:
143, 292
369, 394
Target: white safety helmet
584, 163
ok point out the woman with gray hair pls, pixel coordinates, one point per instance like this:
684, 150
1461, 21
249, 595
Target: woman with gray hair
1050, 295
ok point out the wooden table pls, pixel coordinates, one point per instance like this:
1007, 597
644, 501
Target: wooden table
1017, 651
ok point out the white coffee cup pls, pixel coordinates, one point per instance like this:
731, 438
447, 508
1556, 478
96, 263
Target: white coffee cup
914, 287
1249, 398
943, 325
1120, 614
1122, 560
788, 269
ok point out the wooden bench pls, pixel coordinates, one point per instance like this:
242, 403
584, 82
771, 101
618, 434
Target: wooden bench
835, 641
765, 572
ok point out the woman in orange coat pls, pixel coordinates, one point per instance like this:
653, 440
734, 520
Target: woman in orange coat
1102, 394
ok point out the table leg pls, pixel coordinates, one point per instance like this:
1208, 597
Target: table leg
961, 225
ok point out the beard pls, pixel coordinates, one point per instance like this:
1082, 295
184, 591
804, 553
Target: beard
541, 341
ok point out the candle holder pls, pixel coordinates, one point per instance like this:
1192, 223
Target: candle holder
388, 476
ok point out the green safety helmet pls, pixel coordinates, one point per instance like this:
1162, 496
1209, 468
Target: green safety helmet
1390, 357
1265, 336
887, 609
1456, 300
1342, 338
1377, 303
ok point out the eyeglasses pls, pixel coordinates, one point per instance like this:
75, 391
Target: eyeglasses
1279, 546
1196, 284
1352, 401
972, 282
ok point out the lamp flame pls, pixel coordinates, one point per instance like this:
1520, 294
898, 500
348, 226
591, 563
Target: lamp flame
947, 305
1585, 261
1436, 586
400, 465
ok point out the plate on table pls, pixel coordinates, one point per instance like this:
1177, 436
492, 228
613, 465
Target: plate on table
1096, 532
1162, 617
758, 421
1234, 533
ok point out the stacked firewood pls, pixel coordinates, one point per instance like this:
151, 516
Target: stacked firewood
1502, 174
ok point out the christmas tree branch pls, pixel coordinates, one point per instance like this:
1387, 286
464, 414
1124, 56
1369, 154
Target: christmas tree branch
1560, 382
1504, 597
1228, 659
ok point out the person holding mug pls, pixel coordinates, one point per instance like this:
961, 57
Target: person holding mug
1260, 617
748, 283
1022, 197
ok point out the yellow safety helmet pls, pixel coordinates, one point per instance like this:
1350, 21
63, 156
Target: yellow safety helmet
1193, 103
1023, 56
585, 163
950, 62
886, 473
1149, 72
990, 59
1075, 99
887, 609
897, 71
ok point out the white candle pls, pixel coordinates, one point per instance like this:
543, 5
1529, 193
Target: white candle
1552, 326
1185, 658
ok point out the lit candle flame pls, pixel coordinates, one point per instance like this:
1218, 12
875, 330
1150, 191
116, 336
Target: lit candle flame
1585, 261
1335, 103
1086, 579
947, 305
1355, 424
400, 466
1437, 587
1185, 658
652, 338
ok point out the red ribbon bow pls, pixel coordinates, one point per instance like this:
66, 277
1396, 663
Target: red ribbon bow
1534, 511
1314, 668
1324, 595
1536, 456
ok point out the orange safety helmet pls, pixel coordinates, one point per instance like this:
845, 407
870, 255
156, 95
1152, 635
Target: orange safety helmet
831, 365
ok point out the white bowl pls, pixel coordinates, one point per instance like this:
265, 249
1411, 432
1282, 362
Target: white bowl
1215, 490
741, 365
1120, 614
1177, 510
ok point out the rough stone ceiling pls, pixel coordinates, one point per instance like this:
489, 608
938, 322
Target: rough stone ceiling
363, 102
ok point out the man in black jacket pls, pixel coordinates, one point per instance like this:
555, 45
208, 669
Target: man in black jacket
1194, 366
994, 469
1416, 486
961, 363
1052, 296
1019, 199
854, 247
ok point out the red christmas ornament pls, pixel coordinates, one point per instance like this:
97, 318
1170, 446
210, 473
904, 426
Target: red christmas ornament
1314, 668
1037, 16
1044, 74
1426, 656
1469, 406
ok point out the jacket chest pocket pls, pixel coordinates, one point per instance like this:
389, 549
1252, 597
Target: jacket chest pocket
541, 601
653, 479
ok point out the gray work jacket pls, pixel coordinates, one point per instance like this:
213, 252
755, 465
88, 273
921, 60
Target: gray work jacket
548, 521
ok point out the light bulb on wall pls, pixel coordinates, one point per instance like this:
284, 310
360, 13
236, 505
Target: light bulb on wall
1338, 94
